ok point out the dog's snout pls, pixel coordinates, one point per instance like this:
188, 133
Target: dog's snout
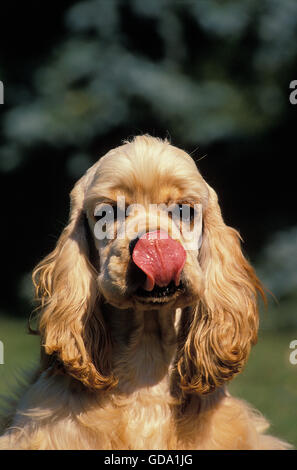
160, 257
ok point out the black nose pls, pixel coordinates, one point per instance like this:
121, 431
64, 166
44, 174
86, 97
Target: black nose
132, 245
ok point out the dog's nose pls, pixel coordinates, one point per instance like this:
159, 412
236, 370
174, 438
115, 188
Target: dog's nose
160, 257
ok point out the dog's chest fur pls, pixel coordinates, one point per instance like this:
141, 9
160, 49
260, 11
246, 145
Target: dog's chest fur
143, 418
144, 346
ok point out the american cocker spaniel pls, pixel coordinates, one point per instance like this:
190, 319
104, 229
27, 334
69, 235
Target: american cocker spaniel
148, 308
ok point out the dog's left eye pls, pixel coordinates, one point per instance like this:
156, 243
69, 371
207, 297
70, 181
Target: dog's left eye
107, 211
186, 213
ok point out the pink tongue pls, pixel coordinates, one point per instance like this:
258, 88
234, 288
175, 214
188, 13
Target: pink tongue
160, 257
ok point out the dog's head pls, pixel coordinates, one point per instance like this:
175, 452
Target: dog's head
146, 232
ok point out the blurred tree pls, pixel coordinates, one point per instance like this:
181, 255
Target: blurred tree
277, 268
207, 69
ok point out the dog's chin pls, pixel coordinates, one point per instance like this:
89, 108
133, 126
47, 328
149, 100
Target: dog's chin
157, 299
128, 296
159, 295
181, 296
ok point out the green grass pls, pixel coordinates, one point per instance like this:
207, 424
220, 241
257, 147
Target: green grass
269, 381
21, 352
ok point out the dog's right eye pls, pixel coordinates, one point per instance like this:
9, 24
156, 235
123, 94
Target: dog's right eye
107, 211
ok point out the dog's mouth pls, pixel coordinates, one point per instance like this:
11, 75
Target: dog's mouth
159, 294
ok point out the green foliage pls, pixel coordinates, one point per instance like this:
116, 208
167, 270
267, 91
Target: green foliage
277, 264
205, 70
277, 268
269, 383
21, 352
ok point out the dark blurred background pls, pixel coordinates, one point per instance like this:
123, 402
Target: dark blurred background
213, 77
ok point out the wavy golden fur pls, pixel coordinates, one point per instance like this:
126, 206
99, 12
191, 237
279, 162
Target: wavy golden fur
118, 373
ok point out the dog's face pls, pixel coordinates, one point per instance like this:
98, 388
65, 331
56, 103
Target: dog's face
160, 260
144, 208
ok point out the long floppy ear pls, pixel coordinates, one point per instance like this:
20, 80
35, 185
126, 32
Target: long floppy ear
74, 338
222, 328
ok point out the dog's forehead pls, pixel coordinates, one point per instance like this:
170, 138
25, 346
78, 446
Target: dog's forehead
146, 169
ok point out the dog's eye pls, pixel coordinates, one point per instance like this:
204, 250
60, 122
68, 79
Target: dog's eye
186, 213
106, 212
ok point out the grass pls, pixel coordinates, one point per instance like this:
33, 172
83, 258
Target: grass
21, 352
269, 381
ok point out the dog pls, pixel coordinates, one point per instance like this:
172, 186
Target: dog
141, 329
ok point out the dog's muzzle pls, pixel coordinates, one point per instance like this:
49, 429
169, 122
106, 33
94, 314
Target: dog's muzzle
161, 259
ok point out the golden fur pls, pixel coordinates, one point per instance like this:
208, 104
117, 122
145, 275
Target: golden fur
120, 374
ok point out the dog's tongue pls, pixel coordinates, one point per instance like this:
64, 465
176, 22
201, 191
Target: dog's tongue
160, 257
